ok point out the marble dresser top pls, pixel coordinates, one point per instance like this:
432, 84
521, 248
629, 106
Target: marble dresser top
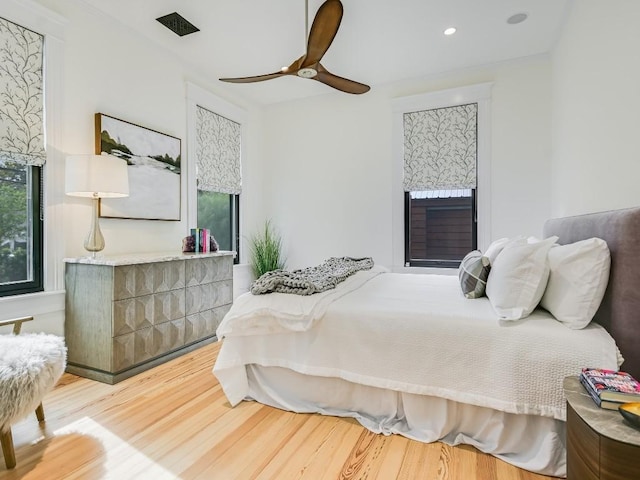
137, 258
608, 423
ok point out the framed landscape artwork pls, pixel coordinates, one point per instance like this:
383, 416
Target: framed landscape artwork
153, 161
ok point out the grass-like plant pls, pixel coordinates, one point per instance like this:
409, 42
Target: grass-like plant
266, 251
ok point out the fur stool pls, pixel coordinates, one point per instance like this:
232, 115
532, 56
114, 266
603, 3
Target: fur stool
30, 365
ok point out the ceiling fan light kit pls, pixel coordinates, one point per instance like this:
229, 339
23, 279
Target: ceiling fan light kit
323, 31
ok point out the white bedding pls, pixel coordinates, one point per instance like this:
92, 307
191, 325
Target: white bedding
415, 334
526, 441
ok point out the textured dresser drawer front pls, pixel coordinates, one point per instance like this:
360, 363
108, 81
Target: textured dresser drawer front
168, 336
132, 314
204, 324
205, 297
132, 348
222, 292
132, 281
145, 344
168, 276
583, 449
217, 314
168, 306
206, 270
123, 352
196, 327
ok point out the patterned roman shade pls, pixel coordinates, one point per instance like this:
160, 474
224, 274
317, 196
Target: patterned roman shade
21, 100
440, 148
217, 153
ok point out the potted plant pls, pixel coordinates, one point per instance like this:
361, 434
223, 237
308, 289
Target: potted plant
266, 251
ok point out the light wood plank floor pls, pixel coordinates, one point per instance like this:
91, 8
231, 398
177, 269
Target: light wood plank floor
174, 422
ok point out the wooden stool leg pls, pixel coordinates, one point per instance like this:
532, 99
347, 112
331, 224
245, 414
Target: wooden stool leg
40, 413
7, 449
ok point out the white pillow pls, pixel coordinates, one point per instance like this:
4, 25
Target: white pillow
518, 278
579, 274
495, 248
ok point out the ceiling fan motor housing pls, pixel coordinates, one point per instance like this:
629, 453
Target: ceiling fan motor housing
307, 72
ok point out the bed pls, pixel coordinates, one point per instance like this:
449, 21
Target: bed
435, 366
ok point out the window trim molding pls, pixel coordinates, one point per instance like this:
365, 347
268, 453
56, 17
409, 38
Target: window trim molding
199, 96
52, 25
478, 93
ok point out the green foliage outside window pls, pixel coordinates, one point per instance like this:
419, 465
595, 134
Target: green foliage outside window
14, 208
214, 213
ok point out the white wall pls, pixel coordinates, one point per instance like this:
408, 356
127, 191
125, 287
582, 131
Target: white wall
596, 99
113, 70
329, 178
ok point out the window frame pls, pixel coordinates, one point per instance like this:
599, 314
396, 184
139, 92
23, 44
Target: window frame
199, 96
480, 94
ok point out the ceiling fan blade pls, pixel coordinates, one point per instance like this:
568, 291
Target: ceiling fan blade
257, 78
323, 30
339, 83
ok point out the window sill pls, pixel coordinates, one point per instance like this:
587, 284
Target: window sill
32, 304
425, 270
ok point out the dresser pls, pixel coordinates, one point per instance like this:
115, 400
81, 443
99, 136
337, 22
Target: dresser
125, 314
600, 443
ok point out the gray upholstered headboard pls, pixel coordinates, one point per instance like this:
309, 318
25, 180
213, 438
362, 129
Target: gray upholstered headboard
619, 312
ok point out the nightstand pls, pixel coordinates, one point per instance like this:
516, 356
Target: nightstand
600, 443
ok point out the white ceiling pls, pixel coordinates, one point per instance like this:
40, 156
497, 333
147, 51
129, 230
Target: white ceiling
379, 41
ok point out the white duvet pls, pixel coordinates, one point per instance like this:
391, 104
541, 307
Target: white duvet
411, 333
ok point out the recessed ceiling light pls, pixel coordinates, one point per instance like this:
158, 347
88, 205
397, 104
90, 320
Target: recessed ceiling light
450, 31
517, 18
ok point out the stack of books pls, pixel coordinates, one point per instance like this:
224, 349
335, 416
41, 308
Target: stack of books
202, 240
610, 388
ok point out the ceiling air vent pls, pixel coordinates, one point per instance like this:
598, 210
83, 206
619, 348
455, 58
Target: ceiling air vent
178, 24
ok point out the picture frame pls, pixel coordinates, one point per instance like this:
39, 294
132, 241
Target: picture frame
153, 165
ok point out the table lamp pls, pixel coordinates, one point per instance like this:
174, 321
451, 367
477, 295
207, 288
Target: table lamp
96, 177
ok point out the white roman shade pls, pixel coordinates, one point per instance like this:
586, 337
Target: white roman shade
440, 148
217, 153
21, 99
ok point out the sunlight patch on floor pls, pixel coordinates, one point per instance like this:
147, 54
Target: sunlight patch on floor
122, 460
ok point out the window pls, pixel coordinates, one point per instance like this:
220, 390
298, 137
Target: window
440, 151
215, 135
441, 205
219, 213
440, 227
21, 158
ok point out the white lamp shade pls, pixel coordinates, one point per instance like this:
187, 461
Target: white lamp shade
101, 176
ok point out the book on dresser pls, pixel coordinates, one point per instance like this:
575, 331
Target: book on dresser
610, 388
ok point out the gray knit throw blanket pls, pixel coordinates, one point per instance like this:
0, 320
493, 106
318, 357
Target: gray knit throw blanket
311, 280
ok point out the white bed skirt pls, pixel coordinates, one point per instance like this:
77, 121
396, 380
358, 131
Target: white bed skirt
527, 441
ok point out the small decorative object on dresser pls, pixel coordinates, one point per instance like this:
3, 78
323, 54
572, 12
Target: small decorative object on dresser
600, 443
129, 313
200, 241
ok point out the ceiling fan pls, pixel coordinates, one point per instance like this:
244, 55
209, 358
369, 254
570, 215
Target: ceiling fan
323, 30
